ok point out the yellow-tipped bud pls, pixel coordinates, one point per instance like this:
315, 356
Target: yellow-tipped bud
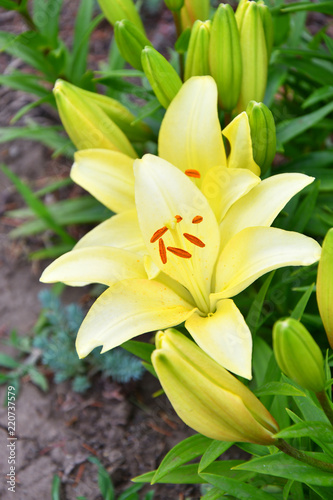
88, 126
131, 42
254, 56
206, 396
197, 55
174, 4
225, 60
263, 134
193, 10
267, 23
240, 11
117, 10
325, 286
137, 132
162, 77
298, 355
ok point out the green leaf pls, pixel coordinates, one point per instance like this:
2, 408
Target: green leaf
323, 7
38, 378
8, 362
188, 474
37, 206
281, 465
104, 480
129, 493
48, 98
8, 4
18, 80
257, 450
318, 430
329, 43
147, 110
253, 316
51, 252
302, 303
55, 490
46, 18
232, 487
262, 353
286, 489
141, 349
325, 493
289, 129
318, 95
183, 452
276, 77
84, 26
278, 388
214, 450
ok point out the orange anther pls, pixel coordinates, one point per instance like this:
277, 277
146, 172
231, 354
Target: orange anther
158, 234
191, 172
197, 219
179, 252
194, 240
178, 218
162, 250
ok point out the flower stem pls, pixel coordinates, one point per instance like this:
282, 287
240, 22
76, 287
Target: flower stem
177, 21
325, 404
302, 457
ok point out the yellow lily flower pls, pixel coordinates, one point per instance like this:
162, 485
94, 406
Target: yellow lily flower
178, 262
190, 138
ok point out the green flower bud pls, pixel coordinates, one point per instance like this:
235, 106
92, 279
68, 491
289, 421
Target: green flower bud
88, 126
225, 58
122, 117
117, 10
193, 10
206, 396
298, 355
197, 54
240, 11
267, 23
131, 42
162, 77
325, 286
174, 4
263, 134
254, 57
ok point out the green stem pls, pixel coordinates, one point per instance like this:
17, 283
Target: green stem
178, 24
302, 457
325, 404
27, 18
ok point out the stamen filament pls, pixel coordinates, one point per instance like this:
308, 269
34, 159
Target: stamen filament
191, 172
197, 219
162, 251
179, 252
158, 234
194, 240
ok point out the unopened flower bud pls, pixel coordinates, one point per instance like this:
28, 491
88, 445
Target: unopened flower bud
298, 355
240, 11
131, 41
263, 134
162, 77
267, 23
87, 125
254, 56
225, 60
197, 54
117, 10
135, 132
325, 286
193, 10
206, 396
174, 4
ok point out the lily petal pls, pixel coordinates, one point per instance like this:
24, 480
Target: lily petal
262, 204
258, 250
120, 231
225, 337
239, 136
104, 265
190, 135
127, 309
223, 186
107, 175
168, 206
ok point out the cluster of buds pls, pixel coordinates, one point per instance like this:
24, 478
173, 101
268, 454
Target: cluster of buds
206, 396
234, 48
